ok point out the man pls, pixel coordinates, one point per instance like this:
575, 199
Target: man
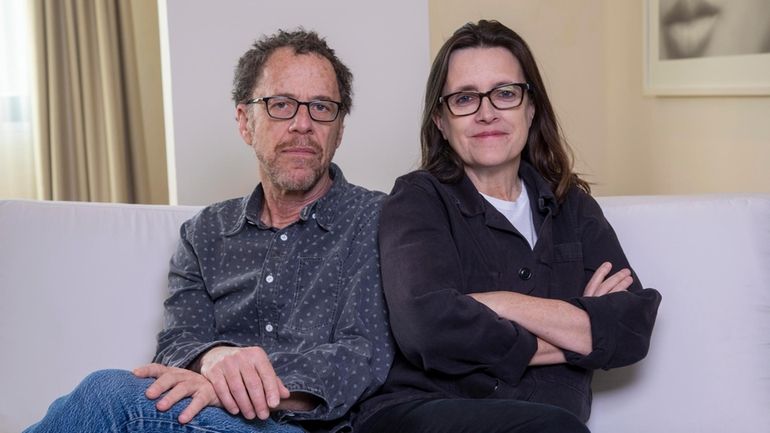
275, 320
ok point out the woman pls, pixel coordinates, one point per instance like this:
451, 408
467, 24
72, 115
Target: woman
496, 262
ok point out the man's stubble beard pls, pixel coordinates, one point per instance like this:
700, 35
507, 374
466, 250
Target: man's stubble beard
287, 180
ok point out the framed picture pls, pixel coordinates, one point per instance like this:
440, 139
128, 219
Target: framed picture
706, 47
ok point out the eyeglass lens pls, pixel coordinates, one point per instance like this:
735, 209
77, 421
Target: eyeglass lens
502, 98
281, 107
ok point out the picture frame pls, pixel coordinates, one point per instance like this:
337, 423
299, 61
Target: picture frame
733, 74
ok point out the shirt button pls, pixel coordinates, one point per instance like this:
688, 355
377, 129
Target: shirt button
269, 278
525, 273
312, 216
284, 237
269, 328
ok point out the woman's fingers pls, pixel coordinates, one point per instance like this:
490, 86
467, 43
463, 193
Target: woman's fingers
601, 284
597, 278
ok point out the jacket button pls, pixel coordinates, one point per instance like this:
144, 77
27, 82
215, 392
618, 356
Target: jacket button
525, 273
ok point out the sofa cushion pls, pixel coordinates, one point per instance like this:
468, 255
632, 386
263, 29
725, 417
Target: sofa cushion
82, 289
708, 369
82, 286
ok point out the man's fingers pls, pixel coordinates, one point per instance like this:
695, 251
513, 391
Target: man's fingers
270, 382
149, 370
283, 391
239, 393
175, 384
196, 405
244, 380
223, 392
179, 391
163, 383
256, 391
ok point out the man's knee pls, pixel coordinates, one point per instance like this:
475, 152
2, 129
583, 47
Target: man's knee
110, 385
105, 379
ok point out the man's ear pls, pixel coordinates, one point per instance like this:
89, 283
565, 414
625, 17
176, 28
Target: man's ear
242, 117
339, 134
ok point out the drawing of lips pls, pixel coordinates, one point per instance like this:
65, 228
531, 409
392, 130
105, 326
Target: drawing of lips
688, 26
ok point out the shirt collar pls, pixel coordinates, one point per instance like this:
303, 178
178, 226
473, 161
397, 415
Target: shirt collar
322, 211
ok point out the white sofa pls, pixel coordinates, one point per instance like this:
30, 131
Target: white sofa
82, 285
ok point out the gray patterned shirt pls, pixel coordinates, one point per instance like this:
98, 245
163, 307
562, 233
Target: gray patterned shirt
309, 294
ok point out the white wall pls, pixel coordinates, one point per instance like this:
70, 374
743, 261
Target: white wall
385, 44
676, 144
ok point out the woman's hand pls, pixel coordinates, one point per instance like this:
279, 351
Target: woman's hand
600, 284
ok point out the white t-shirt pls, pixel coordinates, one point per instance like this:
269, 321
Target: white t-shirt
518, 212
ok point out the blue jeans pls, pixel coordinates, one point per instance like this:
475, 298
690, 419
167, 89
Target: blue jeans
113, 401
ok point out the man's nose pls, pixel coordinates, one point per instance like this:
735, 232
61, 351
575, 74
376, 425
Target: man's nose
302, 122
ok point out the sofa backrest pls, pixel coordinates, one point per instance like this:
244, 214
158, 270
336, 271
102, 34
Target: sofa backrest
82, 286
708, 369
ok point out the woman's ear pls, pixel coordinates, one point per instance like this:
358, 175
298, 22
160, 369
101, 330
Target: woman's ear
438, 120
530, 114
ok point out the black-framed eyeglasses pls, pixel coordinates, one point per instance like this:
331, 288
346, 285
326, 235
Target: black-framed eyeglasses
503, 97
284, 108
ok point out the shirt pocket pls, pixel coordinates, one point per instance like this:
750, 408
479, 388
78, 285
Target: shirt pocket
316, 292
568, 252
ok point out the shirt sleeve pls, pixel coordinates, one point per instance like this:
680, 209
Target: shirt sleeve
435, 324
189, 328
356, 360
622, 322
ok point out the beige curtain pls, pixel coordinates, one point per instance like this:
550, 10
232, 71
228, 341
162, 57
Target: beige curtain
90, 142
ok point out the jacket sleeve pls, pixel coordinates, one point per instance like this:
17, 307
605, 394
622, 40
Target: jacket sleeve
435, 324
189, 328
622, 322
356, 360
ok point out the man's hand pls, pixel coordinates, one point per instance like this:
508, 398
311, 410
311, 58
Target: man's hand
244, 380
178, 383
600, 284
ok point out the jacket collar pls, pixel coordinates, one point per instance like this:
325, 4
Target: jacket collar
323, 211
541, 196
540, 192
